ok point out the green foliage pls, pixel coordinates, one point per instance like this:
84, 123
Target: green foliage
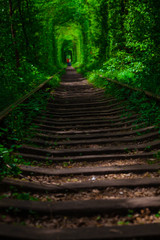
23, 115
119, 38
24, 57
8, 162
17, 125
158, 214
54, 82
128, 42
96, 80
23, 196
148, 108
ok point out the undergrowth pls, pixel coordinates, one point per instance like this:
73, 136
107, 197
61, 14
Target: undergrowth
136, 72
148, 108
17, 125
16, 83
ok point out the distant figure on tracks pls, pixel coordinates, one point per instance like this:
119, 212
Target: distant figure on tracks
68, 61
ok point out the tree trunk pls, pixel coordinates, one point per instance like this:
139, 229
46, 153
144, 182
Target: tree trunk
23, 26
14, 35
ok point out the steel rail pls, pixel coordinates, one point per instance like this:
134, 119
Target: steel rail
147, 93
9, 109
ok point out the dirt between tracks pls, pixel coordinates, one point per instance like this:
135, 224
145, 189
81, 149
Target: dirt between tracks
79, 130
97, 145
108, 163
82, 178
94, 194
143, 216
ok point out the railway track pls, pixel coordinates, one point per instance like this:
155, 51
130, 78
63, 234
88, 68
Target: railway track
93, 171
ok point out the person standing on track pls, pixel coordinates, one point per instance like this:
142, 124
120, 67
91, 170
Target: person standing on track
68, 62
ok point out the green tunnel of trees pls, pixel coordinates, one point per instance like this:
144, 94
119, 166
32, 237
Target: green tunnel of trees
118, 38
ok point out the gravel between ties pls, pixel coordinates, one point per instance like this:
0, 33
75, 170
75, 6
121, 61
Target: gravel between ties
108, 193
78, 179
58, 222
108, 163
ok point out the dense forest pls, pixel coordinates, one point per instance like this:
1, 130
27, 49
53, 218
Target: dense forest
80, 119
119, 39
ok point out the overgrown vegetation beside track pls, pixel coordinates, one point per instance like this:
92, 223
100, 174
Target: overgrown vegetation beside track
17, 125
27, 57
147, 107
